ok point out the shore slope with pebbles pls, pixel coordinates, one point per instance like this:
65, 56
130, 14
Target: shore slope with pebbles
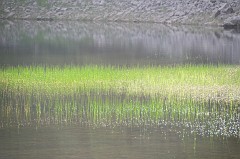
201, 12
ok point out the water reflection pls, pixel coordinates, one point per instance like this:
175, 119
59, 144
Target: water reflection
194, 116
28, 42
133, 143
98, 125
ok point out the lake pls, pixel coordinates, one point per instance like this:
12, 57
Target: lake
81, 43
108, 124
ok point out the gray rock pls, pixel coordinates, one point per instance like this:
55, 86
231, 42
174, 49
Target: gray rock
224, 6
235, 20
213, 1
228, 10
232, 22
216, 13
39, 18
224, 9
180, 13
63, 9
6, 10
10, 15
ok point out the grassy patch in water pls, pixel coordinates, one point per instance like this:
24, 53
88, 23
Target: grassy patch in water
198, 98
218, 82
100, 110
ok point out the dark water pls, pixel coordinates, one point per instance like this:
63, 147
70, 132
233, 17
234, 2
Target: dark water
82, 43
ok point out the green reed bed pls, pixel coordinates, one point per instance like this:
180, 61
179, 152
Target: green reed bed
219, 82
198, 98
111, 110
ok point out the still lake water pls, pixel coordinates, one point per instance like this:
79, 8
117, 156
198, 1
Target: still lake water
59, 43
207, 135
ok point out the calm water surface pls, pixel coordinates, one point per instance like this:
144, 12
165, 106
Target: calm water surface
82, 43
59, 43
139, 143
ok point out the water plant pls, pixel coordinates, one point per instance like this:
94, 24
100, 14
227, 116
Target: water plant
198, 98
218, 82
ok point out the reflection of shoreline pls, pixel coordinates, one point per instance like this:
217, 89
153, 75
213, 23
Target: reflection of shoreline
127, 39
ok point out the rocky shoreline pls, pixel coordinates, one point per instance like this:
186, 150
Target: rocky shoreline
198, 12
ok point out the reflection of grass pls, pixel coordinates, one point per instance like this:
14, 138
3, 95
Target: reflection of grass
196, 97
110, 110
218, 82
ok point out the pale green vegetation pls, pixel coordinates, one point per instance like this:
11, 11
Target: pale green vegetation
207, 82
193, 97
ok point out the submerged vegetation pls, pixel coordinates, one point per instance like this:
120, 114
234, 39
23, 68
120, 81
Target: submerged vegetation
203, 99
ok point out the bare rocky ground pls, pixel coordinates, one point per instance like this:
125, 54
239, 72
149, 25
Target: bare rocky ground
201, 12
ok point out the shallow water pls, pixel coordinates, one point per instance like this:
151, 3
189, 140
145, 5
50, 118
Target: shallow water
117, 127
121, 142
111, 127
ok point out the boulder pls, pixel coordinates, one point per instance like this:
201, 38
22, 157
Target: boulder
228, 10
10, 15
39, 18
180, 13
232, 22
216, 13
224, 9
213, 1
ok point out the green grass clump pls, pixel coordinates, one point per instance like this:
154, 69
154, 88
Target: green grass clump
219, 82
113, 110
196, 97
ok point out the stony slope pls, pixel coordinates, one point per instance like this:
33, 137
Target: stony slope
203, 12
